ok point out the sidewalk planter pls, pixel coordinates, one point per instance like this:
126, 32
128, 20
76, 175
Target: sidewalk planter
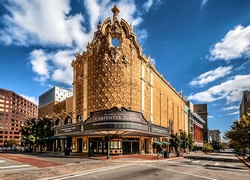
178, 154
67, 151
91, 153
166, 154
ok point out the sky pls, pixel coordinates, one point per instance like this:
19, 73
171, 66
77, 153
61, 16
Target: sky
202, 47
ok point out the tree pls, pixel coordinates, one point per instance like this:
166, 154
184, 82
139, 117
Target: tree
184, 140
190, 142
37, 131
239, 134
12, 142
175, 141
207, 147
28, 131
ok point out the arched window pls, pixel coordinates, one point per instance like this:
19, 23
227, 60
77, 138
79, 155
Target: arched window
68, 120
58, 122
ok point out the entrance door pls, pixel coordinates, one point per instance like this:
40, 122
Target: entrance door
79, 145
102, 147
135, 147
68, 142
126, 147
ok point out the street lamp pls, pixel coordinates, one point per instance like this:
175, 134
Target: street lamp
108, 138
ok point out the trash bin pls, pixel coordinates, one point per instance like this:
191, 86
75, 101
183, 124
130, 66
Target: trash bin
178, 154
67, 151
166, 154
91, 153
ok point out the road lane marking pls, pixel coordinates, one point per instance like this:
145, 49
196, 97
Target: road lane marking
68, 176
18, 166
207, 162
195, 161
218, 168
195, 175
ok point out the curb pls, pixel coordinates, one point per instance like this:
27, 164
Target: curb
248, 165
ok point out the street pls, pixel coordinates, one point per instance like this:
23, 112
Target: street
223, 165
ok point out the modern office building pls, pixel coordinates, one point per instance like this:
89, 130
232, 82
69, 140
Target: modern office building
196, 125
121, 103
215, 135
14, 110
51, 97
245, 103
201, 110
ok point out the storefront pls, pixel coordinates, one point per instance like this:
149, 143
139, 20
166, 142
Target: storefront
120, 130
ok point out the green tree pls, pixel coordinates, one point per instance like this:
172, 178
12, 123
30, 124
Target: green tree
44, 130
190, 142
239, 134
207, 147
37, 131
12, 142
175, 141
28, 131
184, 140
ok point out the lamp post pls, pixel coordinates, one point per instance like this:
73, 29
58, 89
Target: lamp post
108, 138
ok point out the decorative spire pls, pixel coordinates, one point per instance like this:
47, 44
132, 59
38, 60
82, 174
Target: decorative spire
99, 25
116, 11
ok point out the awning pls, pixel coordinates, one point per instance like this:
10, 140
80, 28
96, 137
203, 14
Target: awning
166, 143
157, 142
58, 137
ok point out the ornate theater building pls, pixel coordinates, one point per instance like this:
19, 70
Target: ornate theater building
121, 104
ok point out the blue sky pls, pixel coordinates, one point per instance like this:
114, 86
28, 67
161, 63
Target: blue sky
202, 47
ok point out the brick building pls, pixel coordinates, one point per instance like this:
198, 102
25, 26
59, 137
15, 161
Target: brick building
245, 103
48, 99
196, 126
14, 110
215, 135
201, 110
121, 103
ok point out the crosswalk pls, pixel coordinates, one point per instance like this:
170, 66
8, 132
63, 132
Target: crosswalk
15, 168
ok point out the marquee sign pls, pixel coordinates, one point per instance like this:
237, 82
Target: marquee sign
114, 119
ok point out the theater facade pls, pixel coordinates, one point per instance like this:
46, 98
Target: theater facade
121, 104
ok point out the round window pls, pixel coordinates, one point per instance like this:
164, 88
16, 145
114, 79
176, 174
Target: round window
115, 42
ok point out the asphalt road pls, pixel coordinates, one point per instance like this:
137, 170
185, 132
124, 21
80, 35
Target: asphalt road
196, 166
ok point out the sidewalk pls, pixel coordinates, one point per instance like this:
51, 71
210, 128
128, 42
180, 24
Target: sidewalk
131, 157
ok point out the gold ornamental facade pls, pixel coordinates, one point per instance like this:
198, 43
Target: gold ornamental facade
113, 72
121, 104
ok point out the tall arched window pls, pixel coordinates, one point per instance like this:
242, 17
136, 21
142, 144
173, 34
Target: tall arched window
68, 120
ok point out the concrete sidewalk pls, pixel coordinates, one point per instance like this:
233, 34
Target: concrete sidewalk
131, 157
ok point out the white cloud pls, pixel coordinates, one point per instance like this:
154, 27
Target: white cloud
230, 108
203, 3
39, 61
100, 10
210, 117
51, 24
63, 71
147, 5
153, 61
152, 4
56, 66
236, 44
233, 113
30, 98
45, 23
211, 76
231, 90
142, 35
